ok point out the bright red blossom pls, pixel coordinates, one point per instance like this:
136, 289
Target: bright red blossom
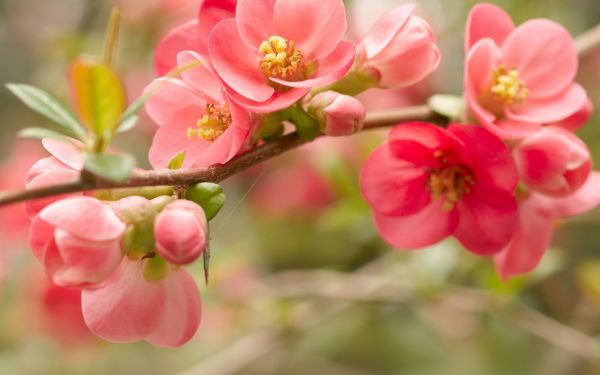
426, 183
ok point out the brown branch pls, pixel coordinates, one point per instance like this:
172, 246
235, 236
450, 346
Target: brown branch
216, 173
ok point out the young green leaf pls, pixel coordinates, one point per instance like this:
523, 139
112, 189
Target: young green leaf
111, 167
128, 124
451, 106
99, 95
209, 196
41, 133
48, 106
177, 161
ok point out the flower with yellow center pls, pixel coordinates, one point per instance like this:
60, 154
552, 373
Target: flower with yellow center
505, 89
450, 183
212, 125
281, 59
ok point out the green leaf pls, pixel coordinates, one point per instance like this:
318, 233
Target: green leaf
48, 106
128, 124
177, 161
451, 106
209, 196
112, 167
99, 95
41, 133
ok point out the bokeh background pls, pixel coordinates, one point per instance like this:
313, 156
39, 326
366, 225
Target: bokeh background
301, 283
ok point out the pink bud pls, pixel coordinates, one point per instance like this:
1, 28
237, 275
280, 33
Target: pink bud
180, 232
339, 115
553, 161
400, 47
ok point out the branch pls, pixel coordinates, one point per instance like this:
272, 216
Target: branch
217, 173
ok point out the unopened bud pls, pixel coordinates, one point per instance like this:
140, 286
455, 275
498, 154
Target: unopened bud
338, 115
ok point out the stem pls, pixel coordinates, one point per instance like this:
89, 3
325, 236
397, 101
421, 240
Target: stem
112, 36
216, 173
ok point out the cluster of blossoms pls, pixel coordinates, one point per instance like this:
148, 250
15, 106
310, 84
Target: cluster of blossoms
230, 79
497, 186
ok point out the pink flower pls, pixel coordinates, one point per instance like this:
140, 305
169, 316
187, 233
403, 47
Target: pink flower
63, 166
518, 79
579, 118
338, 115
192, 35
537, 216
78, 241
128, 307
274, 51
399, 50
427, 183
553, 161
195, 115
180, 230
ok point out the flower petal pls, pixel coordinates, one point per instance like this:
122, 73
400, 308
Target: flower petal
40, 233
201, 78
386, 28
52, 177
424, 228
323, 25
85, 216
172, 101
487, 21
66, 152
183, 311
545, 56
551, 109
126, 307
191, 36
237, 64
255, 21
582, 201
279, 100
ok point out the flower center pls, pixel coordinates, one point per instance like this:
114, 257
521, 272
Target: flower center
212, 125
281, 59
506, 89
450, 183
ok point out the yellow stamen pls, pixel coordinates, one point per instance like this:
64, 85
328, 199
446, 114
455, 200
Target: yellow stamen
450, 183
505, 89
212, 125
281, 59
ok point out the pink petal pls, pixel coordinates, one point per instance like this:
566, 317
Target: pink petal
173, 102
255, 21
85, 261
85, 216
126, 307
183, 311
544, 54
579, 118
191, 36
582, 201
529, 243
488, 157
66, 152
331, 68
323, 24
278, 101
393, 186
237, 64
172, 139
45, 165
424, 228
429, 135
40, 233
487, 21
386, 28
52, 177
507, 128
488, 220
550, 109
201, 78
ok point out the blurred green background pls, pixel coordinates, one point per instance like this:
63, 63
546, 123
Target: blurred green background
301, 283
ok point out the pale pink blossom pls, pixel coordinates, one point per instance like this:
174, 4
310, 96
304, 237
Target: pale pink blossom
274, 51
192, 35
64, 165
338, 115
427, 183
537, 217
129, 307
518, 79
553, 161
195, 115
78, 240
180, 231
399, 50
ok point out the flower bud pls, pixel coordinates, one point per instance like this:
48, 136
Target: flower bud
338, 115
553, 161
400, 47
180, 231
